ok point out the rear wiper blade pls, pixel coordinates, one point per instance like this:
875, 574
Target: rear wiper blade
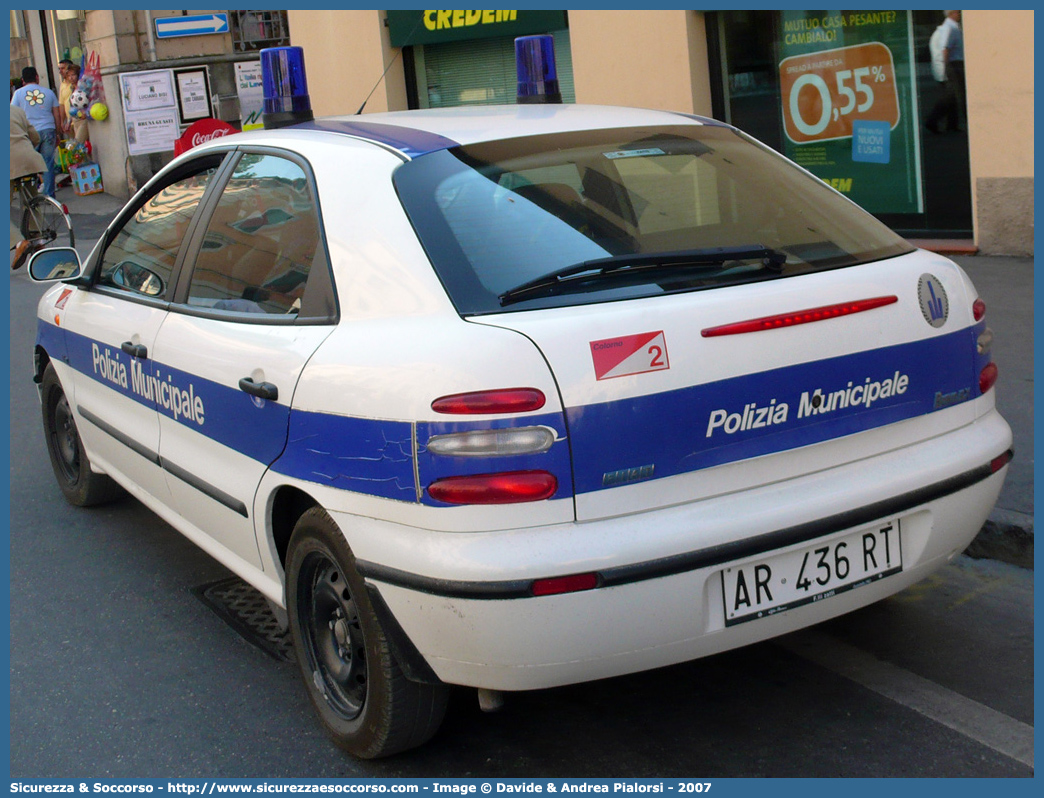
580, 274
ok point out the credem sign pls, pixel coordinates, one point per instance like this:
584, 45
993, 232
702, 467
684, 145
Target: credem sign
432, 27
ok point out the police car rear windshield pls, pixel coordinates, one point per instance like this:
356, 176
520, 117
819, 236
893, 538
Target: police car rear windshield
603, 215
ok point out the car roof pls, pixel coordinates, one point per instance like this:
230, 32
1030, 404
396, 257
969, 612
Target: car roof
414, 133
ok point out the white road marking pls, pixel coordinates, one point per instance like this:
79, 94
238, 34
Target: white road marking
978, 722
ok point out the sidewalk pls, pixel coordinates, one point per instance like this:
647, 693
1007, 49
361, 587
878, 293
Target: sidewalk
90, 215
1004, 284
92, 204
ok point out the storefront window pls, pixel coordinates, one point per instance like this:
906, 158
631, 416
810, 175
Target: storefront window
254, 30
67, 29
468, 57
846, 94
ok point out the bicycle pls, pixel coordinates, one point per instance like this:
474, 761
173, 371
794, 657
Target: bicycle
44, 220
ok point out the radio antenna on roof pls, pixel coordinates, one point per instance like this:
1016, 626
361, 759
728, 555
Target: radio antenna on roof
420, 18
378, 83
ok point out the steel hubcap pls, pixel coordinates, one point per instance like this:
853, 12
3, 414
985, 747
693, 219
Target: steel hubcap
66, 440
335, 643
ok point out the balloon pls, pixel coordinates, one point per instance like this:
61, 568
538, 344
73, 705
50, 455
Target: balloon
99, 112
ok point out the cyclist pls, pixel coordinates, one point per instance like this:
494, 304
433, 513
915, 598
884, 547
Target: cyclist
25, 160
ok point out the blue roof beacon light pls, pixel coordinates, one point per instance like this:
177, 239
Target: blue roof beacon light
286, 100
537, 75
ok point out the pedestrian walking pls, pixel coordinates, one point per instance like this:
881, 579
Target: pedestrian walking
950, 107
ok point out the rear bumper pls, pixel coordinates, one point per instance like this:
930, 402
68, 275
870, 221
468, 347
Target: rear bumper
464, 600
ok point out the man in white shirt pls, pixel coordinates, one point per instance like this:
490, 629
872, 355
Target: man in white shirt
951, 104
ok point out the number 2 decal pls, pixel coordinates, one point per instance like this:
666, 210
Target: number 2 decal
657, 357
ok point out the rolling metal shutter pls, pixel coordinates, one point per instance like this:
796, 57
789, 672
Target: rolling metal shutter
482, 71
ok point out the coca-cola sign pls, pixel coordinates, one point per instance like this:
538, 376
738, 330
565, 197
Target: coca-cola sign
202, 131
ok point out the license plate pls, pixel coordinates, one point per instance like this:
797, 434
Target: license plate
785, 581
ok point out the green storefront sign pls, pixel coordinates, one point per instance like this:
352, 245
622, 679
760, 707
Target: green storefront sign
434, 27
849, 100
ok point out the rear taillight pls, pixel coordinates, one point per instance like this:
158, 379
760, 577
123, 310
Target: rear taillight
493, 442
505, 400
984, 342
997, 463
987, 377
799, 317
510, 487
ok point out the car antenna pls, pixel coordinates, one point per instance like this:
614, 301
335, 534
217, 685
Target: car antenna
416, 24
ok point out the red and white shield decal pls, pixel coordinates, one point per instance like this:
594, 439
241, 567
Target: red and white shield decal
631, 354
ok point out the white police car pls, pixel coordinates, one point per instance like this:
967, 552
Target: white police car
522, 396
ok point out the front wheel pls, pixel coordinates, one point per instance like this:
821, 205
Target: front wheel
364, 701
45, 223
72, 469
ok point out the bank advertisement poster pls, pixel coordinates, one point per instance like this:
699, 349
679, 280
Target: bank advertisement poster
849, 100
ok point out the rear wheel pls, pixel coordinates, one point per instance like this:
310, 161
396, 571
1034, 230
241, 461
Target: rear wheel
45, 223
72, 469
364, 701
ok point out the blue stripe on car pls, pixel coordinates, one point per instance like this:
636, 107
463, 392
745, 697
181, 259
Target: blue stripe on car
51, 339
227, 415
676, 432
371, 456
408, 141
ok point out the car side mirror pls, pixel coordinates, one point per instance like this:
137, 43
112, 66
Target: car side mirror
55, 264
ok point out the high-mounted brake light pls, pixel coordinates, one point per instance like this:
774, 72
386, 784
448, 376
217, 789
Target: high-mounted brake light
537, 74
285, 87
511, 487
987, 377
799, 317
505, 400
978, 309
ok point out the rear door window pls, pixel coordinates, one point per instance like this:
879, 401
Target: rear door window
263, 245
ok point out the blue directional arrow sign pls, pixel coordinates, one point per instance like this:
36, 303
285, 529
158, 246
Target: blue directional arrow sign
199, 25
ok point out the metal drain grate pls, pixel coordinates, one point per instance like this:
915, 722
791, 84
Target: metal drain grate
247, 612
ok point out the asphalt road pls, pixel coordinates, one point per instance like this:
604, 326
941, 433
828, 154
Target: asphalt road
119, 670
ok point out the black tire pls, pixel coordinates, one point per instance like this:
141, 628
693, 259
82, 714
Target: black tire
45, 221
72, 469
364, 701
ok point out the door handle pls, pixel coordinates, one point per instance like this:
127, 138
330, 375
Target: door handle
135, 350
264, 390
